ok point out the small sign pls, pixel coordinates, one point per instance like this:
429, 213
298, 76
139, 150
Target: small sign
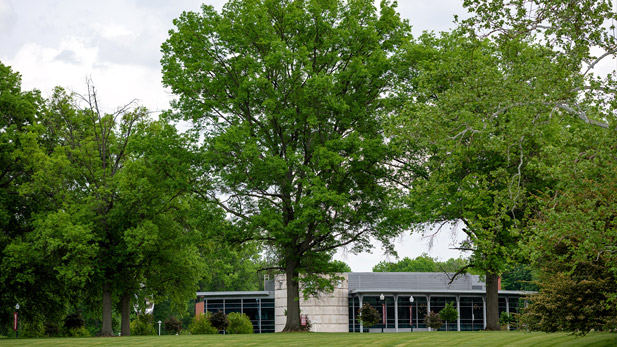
303, 319
15, 321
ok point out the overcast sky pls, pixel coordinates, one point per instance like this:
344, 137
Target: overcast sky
117, 43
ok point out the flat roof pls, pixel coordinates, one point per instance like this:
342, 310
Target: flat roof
391, 291
263, 293
413, 281
391, 283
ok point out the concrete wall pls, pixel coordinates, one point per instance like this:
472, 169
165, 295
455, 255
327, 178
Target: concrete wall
328, 313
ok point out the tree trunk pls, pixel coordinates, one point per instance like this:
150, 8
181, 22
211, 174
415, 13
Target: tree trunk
492, 302
125, 309
293, 299
107, 329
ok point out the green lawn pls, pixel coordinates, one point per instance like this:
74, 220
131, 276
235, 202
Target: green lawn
444, 339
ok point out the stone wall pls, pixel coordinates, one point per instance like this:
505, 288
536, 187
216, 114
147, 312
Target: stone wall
328, 313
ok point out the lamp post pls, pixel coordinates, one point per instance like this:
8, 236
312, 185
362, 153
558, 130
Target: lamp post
410, 311
160, 328
259, 313
383, 310
15, 320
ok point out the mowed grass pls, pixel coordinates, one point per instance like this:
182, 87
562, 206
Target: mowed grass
443, 339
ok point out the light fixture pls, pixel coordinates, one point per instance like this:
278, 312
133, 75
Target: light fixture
411, 298
381, 297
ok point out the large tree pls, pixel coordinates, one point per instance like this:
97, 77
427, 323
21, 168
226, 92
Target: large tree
480, 138
289, 97
25, 277
118, 222
581, 35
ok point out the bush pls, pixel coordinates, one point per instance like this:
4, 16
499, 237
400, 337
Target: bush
239, 323
73, 321
173, 325
219, 321
142, 325
78, 332
505, 318
448, 313
433, 320
31, 329
201, 325
52, 329
368, 315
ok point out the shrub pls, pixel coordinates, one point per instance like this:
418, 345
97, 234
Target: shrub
52, 329
78, 332
142, 325
505, 318
219, 320
368, 315
32, 329
448, 313
74, 320
173, 325
239, 323
433, 320
201, 325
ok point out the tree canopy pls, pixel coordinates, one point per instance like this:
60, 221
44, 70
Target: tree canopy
289, 98
581, 38
423, 263
116, 223
26, 276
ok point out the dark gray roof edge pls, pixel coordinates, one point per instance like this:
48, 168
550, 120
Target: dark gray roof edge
388, 291
237, 293
424, 273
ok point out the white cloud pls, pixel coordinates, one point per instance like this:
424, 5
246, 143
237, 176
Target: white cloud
114, 31
7, 17
74, 60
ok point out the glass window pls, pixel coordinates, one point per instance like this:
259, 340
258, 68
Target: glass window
502, 305
233, 305
405, 311
438, 303
267, 315
354, 306
472, 313
267, 303
214, 305
515, 303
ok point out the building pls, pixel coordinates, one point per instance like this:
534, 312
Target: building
403, 299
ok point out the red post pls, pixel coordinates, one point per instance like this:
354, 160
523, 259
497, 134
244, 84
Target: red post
410, 317
383, 308
15, 327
